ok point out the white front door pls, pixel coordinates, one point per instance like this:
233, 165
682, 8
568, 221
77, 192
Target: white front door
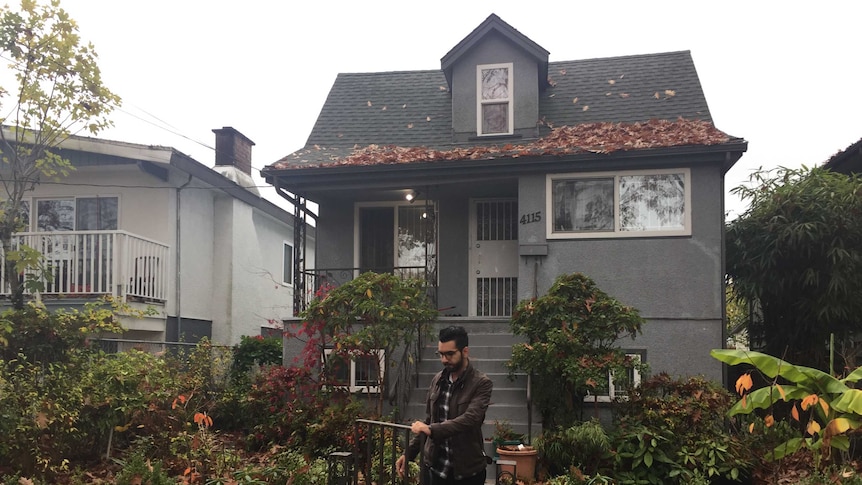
493, 257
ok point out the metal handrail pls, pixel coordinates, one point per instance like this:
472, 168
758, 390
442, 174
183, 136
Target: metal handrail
378, 447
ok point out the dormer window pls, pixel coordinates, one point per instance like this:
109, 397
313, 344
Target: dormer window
494, 110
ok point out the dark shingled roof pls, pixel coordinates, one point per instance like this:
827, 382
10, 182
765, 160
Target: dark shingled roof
846, 161
413, 108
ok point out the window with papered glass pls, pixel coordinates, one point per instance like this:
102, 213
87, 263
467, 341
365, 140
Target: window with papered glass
494, 99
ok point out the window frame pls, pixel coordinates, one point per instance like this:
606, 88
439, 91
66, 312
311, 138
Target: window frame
429, 205
611, 395
351, 386
33, 211
510, 100
615, 232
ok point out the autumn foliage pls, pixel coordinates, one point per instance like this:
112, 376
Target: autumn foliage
601, 138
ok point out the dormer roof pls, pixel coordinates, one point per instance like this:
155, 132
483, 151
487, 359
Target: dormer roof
495, 24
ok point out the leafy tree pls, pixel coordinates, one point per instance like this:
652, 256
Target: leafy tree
573, 333
57, 91
375, 311
796, 253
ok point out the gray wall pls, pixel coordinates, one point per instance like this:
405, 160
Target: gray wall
675, 282
495, 49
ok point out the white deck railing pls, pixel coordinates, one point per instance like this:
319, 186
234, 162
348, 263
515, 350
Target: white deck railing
81, 263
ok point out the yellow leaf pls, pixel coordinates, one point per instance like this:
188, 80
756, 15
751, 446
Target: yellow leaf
656, 95
586, 108
768, 420
781, 391
669, 93
794, 413
611, 82
368, 293
751, 428
825, 406
409, 125
383, 108
369, 103
813, 428
575, 101
837, 426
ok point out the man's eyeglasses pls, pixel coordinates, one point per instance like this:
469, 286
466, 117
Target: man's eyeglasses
448, 354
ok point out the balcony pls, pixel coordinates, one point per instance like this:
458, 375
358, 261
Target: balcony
87, 264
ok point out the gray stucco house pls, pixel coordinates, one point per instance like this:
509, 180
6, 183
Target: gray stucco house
501, 170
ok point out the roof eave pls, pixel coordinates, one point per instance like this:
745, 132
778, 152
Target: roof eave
316, 179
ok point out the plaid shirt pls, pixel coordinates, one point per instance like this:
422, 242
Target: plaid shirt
443, 467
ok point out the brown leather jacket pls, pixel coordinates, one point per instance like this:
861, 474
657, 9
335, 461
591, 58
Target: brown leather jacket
467, 406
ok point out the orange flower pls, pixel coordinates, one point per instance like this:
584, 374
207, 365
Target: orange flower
744, 383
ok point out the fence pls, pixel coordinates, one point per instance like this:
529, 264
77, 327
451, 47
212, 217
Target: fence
97, 263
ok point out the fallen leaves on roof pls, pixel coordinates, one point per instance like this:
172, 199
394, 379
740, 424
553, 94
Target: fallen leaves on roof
600, 138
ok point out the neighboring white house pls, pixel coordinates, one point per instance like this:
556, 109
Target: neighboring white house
158, 229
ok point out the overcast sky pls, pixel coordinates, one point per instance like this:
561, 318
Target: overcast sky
784, 76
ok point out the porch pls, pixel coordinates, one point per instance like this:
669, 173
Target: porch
89, 264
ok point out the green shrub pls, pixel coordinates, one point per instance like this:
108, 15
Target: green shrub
674, 431
138, 470
255, 351
584, 446
573, 335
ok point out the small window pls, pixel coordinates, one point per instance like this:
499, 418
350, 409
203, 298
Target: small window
357, 373
287, 264
633, 204
617, 388
494, 95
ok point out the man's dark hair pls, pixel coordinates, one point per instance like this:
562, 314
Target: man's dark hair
458, 334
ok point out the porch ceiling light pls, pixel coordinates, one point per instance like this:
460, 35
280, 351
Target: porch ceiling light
411, 196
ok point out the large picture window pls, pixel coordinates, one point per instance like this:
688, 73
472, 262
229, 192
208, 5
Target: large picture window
76, 214
633, 204
494, 94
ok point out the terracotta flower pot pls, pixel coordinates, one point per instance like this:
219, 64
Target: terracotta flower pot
525, 461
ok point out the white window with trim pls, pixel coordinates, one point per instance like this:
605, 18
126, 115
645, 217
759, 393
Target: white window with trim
356, 373
619, 204
495, 87
75, 214
617, 388
287, 264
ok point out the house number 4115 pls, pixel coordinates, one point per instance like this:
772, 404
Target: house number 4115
531, 217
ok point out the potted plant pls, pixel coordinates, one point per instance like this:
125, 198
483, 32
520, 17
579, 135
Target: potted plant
504, 434
525, 458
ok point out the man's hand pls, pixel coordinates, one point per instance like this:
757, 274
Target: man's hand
400, 465
420, 427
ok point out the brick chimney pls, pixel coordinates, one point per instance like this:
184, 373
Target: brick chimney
233, 149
